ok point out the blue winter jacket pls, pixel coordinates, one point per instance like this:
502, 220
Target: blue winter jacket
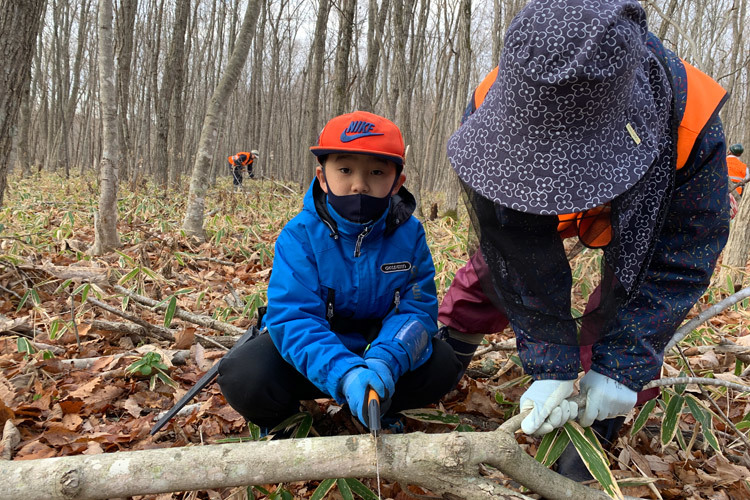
330, 271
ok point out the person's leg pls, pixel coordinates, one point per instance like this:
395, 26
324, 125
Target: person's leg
428, 383
237, 176
467, 312
466, 308
260, 385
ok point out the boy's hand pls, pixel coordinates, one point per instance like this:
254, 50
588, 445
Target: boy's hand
354, 385
605, 398
384, 372
550, 407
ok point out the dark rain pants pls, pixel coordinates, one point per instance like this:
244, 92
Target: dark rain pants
265, 389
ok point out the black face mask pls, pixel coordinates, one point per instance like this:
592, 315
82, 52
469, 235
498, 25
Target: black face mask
359, 208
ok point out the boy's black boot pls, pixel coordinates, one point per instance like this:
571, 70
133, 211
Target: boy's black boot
464, 346
570, 464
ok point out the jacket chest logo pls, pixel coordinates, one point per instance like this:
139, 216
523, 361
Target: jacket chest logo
395, 267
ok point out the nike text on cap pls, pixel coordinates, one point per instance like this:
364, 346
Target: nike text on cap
364, 133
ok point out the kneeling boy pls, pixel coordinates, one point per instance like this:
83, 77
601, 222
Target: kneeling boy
351, 299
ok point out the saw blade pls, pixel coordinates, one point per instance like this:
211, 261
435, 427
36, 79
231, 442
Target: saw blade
373, 410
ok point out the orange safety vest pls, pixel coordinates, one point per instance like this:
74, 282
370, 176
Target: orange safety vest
240, 159
737, 170
704, 96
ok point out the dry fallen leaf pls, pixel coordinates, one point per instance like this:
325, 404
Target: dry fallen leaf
183, 339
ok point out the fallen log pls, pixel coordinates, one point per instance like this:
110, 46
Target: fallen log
447, 464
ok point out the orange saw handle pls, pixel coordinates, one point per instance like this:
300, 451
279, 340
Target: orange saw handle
373, 410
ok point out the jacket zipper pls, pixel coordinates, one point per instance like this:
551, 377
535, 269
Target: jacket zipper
396, 300
361, 237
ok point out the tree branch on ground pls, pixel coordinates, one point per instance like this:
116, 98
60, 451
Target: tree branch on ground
696, 380
447, 464
197, 319
709, 313
150, 330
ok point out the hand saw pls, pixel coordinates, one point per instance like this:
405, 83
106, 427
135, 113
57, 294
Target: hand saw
373, 420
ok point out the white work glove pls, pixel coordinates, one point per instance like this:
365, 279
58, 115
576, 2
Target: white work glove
605, 398
550, 407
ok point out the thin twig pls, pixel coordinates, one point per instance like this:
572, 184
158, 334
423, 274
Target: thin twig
73, 320
709, 313
198, 319
696, 380
237, 300
505, 345
160, 333
10, 292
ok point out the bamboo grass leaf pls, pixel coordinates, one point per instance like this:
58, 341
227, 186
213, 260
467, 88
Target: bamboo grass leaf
592, 457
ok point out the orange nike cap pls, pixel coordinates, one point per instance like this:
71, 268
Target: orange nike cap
364, 133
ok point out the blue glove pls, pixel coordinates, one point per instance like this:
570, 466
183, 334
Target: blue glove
550, 407
355, 384
605, 398
384, 372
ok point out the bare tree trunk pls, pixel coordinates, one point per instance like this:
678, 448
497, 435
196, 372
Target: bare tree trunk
497, 32
125, 32
376, 23
403, 14
315, 70
343, 50
463, 74
664, 24
177, 115
737, 250
105, 223
19, 23
23, 152
193, 222
172, 64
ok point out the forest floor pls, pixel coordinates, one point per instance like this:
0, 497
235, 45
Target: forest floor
51, 312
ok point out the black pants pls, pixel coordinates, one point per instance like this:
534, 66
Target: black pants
237, 176
265, 389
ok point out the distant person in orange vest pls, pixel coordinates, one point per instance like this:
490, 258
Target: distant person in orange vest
737, 168
239, 160
590, 125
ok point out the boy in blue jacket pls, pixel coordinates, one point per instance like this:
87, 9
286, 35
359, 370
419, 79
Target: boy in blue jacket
351, 300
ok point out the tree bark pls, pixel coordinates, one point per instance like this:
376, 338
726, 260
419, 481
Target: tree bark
172, 64
193, 222
125, 32
19, 24
315, 69
343, 50
497, 32
737, 250
447, 464
463, 74
105, 222
376, 24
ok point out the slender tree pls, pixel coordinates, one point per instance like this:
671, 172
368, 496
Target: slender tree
376, 24
343, 52
193, 221
105, 222
315, 70
172, 65
19, 23
125, 26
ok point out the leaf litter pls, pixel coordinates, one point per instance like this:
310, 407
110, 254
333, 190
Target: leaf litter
61, 410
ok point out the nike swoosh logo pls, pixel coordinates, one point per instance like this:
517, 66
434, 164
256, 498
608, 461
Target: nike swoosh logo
348, 138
